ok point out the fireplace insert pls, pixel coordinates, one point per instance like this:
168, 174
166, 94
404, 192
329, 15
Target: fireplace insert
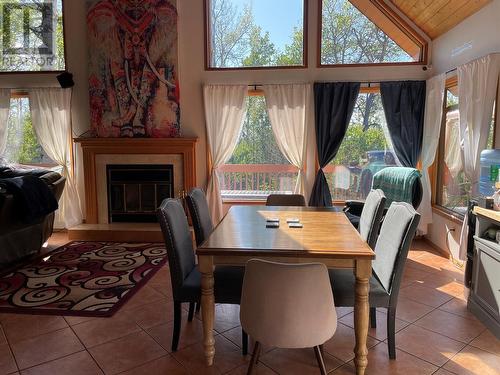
136, 190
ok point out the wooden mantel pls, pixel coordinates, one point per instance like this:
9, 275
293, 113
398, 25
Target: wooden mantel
92, 147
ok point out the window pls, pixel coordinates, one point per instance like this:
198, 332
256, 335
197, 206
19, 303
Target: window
32, 36
257, 167
453, 188
363, 152
365, 32
22, 143
255, 33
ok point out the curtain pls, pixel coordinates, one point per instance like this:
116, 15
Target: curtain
287, 106
453, 154
477, 88
404, 103
333, 106
4, 119
433, 118
51, 118
225, 108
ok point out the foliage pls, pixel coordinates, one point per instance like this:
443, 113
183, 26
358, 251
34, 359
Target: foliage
22, 144
357, 141
262, 50
230, 31
257, 144
349, 37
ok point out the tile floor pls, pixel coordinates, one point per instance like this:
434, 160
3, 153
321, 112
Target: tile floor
436, 335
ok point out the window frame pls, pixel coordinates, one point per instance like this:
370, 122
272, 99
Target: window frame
253, 90
54, 72
396, 19
436, 168
207, 46
23, 94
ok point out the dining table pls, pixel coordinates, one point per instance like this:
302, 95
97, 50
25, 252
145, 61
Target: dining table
325, 236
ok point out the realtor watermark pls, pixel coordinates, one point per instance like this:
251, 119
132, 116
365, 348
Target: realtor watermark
28, 33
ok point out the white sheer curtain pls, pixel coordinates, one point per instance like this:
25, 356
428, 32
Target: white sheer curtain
477, 88
432, 126
51, 118
225, 108
288, 107
4, 119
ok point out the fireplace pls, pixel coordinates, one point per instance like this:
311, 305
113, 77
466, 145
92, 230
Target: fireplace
98, 153
136, 190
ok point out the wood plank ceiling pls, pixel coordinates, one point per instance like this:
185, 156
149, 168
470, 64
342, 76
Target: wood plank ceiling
435, 17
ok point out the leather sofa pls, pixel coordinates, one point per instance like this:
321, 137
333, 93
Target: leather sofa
18, 238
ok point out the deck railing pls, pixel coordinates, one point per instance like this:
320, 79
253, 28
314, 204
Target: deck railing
248, 181
246, 178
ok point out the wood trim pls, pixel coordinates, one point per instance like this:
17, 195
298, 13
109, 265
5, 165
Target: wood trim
393, 17
451, 81
207, 47
91, 147
447, 214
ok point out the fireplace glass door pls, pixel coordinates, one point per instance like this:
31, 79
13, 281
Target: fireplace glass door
135, 191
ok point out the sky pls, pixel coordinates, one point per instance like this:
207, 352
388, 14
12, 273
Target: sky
279, 17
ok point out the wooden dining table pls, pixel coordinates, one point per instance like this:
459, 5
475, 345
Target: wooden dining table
326, 236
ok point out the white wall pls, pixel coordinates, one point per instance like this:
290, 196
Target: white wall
476, 36
193, 75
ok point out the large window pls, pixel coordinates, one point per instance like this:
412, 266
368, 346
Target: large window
32, 36
365, 32
255, 33
363, 152
453, 188
257, 167
22, 144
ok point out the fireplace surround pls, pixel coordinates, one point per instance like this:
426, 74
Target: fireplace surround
98, 153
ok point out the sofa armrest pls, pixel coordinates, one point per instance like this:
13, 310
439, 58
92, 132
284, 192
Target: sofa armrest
6, 210
354, 207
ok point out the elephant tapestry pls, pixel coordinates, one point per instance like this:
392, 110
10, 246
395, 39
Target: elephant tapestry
133, 77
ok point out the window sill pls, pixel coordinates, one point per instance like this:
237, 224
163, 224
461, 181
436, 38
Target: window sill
448, 214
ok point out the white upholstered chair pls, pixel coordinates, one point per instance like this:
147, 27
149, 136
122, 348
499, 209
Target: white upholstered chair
287, 306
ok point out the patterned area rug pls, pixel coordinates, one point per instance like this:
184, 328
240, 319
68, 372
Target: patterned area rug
81, 278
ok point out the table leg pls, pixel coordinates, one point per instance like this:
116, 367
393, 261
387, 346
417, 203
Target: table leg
206, 264
362, 272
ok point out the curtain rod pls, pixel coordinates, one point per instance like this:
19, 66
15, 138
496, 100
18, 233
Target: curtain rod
368, 83
451, 70
30, 88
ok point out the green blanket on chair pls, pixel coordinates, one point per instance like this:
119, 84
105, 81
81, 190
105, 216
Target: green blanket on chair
397, 183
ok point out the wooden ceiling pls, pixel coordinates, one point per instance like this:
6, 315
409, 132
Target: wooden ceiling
435, 17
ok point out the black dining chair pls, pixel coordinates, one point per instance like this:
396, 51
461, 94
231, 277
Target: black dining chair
184, 274
286, 200
397, 232
200, 215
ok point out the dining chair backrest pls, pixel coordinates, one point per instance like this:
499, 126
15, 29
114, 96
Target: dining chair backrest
371, 217
397, 232
200, 215
178, 241
287, 305
285, 200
